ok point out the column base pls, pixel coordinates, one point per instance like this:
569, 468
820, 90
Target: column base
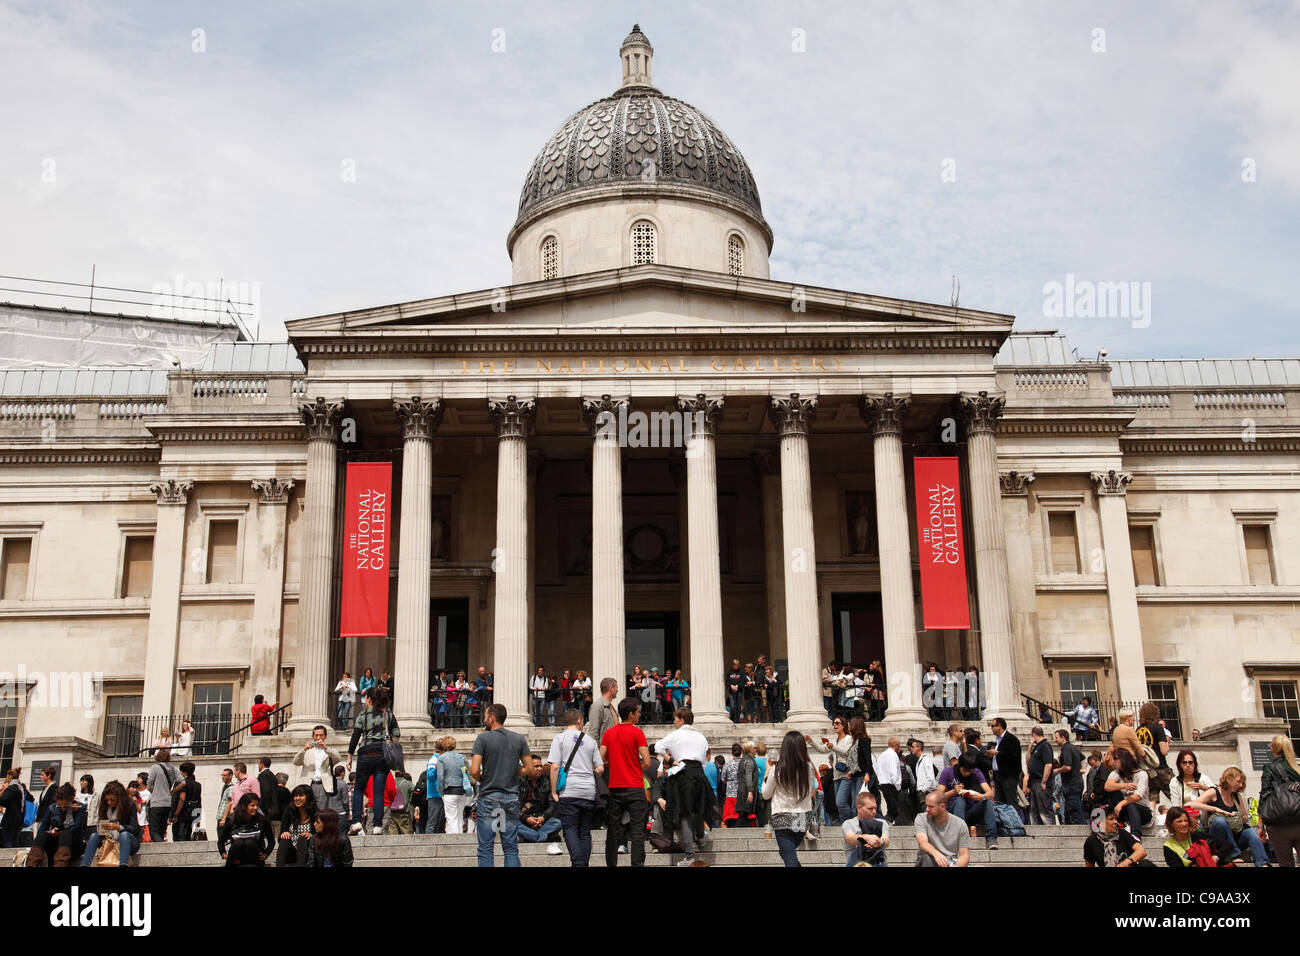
715, 720
414, 725
905, 717
303, 725
806, 721
521, 723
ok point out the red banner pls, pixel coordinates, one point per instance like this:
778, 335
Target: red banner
367, 507
944, 603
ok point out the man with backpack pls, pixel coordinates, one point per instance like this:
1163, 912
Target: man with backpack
163, 778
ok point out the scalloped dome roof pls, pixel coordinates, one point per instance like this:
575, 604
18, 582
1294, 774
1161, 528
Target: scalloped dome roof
638, 137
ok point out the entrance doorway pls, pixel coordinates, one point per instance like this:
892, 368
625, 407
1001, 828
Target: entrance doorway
859, 629
653, 639
448, 636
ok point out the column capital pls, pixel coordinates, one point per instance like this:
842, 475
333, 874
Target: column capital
980, 412
322, 419
513, 416
707, 412
273, 491
793, 415
419, 418
1111, 482
884, 413
172, 491
601, 414
1016, 482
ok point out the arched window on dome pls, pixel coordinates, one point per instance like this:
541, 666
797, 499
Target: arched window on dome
735, 255
550, 258
645, 244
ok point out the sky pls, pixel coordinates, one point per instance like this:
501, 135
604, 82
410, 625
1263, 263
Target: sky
322, 156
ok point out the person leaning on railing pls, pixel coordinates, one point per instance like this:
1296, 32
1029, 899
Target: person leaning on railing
1083, 718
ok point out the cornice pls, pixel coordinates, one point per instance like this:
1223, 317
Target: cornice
1206, 446
80, 456
479, 340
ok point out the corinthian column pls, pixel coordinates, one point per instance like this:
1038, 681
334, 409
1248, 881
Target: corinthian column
608, 620
165, 596
1121, 591
513, 417
707, 674
268, 594
320, 523
884, 414
415, 546
992, 581
793, 417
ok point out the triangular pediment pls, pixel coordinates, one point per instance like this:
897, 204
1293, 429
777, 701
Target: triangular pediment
652, 299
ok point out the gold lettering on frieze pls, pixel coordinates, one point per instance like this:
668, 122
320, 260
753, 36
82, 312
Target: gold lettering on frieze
652, 365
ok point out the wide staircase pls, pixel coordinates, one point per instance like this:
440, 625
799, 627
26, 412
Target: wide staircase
1043, 846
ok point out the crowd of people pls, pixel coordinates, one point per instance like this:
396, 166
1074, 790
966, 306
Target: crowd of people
601, 771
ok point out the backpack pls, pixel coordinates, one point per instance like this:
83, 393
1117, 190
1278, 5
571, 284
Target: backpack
29, 812
1008, 818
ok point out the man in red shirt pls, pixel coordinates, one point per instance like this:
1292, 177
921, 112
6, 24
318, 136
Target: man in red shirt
626, 753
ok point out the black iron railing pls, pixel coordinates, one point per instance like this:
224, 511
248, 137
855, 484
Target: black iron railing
1062, 712
136, 735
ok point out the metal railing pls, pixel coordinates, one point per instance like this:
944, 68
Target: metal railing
136, 735
1058, 712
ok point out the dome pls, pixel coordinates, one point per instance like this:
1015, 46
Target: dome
638, 141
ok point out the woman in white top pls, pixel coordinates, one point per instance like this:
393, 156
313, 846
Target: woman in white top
184, 741
1188, 783
791, 786
844, 763
582, 693
164, 741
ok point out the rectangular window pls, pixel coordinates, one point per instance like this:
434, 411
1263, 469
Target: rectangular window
137, 567
1259, 553
1074, 685
1065, 542
1142, 539
1164, 694
122, 726
223, 559
8, 732
1280, 701
15, 566
213, 710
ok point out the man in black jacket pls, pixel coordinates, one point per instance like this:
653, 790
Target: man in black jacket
1007, 764
270, 803
62, 836
49, 785
538, 822
1040, 779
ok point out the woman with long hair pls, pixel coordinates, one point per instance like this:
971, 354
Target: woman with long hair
862, 776
1224, 811
582, 693
790, 787
247, 837
296, 827
117, 820
367, 681
184, 740
330, 846
1188, 783
374, 725
1280, 772
1129, 783
843, 753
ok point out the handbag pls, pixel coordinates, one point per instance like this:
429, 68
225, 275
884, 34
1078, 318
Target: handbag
108, 854
563, 777
1282, 805
393, 756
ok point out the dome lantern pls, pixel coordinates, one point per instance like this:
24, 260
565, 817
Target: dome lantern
635, 55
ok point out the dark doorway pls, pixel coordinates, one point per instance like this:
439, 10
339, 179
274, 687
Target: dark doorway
448, 636
859, 629
654, 640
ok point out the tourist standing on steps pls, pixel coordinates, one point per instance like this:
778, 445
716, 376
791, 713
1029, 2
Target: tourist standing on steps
315, 765
453, 780
1006, 764
346, 688
373, 726
889, 771
1040, 778
791, 785
687, 788
603, 715
842, 751
575, 756
1281, 771
162, 778
625, 750
367, 681
499, 759
1069, 770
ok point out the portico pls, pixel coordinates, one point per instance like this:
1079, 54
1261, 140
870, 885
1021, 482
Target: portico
647, 373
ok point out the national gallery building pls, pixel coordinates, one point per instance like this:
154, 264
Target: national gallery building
643, 450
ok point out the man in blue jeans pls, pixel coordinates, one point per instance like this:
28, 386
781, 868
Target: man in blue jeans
970, 796
499, 759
